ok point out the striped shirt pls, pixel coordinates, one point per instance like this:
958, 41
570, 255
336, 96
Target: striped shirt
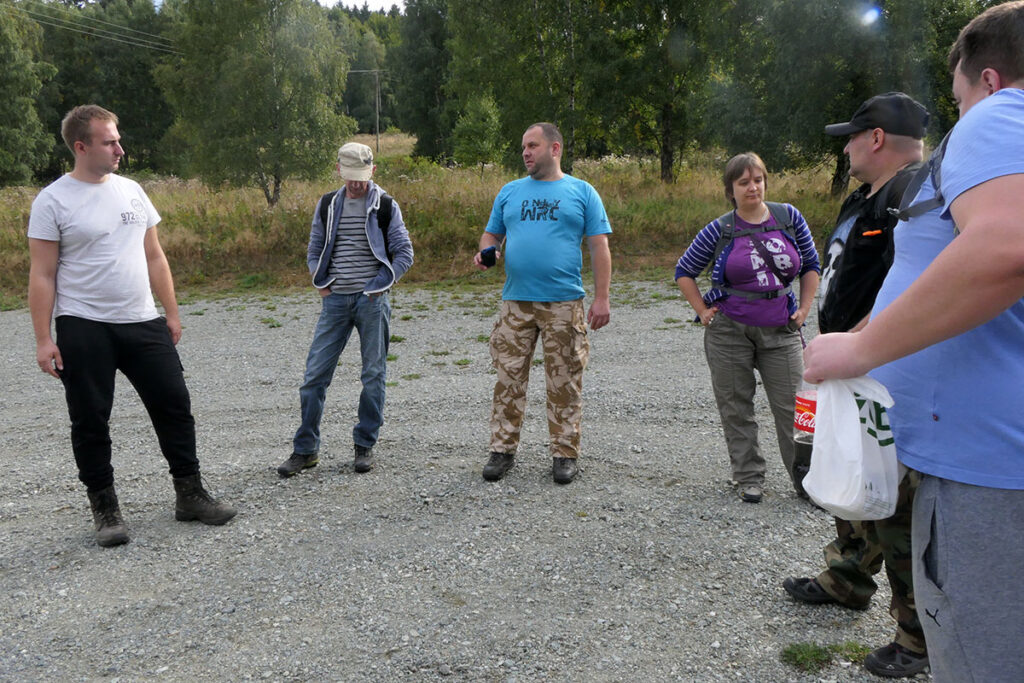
352, 262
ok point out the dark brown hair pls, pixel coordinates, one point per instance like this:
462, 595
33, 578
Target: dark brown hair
550, 131
993, 40
736, 167
75, 126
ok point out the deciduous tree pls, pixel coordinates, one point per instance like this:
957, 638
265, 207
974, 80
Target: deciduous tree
258, 91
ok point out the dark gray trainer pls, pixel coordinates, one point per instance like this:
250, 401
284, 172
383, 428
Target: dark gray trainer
296, 463
106, 515
364, 459
895, 661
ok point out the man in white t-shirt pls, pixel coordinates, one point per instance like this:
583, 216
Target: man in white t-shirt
95, 257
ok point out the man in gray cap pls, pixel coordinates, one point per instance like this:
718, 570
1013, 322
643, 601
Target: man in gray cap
885, 151
358, 249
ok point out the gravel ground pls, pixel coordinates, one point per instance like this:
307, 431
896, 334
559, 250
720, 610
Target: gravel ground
648, 567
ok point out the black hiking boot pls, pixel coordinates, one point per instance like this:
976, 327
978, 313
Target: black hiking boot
106, 515
564, 470
497, 465
193, 502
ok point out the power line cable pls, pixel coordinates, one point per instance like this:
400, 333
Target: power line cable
91, 30
70, 12
95, 32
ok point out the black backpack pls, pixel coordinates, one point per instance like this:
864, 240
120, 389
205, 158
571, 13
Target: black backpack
727, 222
384, 211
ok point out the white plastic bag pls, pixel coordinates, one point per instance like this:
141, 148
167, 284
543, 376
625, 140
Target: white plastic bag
854, 473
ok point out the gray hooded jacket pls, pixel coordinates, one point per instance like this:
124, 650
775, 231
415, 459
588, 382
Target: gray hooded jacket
321, 242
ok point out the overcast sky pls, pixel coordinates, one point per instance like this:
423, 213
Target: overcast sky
373, 4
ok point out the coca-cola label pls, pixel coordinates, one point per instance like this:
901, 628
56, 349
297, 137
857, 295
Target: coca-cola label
803, 412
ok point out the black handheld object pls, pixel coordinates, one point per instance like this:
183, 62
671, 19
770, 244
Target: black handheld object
487, 256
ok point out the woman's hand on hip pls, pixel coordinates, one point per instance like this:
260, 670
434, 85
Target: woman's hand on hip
707, 315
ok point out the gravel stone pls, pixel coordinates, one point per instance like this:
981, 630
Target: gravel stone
647, 567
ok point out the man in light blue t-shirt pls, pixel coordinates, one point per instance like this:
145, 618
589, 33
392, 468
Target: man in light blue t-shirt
543, 218
946, 337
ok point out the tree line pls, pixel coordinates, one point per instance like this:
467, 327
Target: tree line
253, 92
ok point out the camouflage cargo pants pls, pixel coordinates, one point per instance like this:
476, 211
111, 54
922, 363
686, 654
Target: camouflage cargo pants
562, 329
857, 555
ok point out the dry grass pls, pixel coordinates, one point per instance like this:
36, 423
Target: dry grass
224, 238
391, 144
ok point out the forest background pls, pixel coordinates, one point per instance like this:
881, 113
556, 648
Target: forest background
231, 112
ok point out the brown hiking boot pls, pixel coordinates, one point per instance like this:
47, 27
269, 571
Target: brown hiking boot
106, 515
194, 502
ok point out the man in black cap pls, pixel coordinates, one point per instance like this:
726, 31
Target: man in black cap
885, 151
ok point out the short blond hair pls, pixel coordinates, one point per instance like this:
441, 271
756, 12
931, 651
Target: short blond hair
76, 124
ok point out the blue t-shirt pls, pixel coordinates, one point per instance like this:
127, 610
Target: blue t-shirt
959, 405
544, 223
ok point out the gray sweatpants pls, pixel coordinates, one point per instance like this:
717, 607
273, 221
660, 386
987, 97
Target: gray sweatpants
968, 547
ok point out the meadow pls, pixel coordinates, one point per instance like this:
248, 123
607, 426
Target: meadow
227, 239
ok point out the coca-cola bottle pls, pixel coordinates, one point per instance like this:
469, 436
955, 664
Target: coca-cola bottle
803, 412
803, 432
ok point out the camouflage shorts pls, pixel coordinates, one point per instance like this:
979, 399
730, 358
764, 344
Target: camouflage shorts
562, 329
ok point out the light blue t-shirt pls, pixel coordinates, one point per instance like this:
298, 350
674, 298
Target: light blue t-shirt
544, 223
959, 405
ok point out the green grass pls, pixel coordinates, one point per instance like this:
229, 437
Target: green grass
270, 322
811, 657
391, 357
396, 339
412, 375
462, 362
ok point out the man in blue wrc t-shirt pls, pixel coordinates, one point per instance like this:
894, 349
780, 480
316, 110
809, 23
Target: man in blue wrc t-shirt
946, 337
543, 219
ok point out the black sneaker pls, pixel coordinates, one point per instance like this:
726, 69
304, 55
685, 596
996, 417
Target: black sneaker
297, 462
364, 459
564, 470
497, 465
895, 661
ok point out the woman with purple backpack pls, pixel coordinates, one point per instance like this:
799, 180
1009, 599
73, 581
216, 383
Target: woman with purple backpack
751, 315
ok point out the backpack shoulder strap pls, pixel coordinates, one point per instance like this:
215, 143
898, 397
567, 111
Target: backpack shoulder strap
325, 205
727, 225
384, 212
934, 169
781, 215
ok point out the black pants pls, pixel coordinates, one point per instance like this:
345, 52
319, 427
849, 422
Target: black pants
92, 353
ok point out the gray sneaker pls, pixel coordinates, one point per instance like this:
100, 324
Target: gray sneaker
363, 461
750, 494
297, 462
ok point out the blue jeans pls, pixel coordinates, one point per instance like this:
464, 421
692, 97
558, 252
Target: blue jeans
340, 313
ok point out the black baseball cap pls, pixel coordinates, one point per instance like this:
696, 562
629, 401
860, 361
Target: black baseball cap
894, 112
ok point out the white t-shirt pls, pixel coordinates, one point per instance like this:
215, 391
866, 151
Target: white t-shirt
101, 227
